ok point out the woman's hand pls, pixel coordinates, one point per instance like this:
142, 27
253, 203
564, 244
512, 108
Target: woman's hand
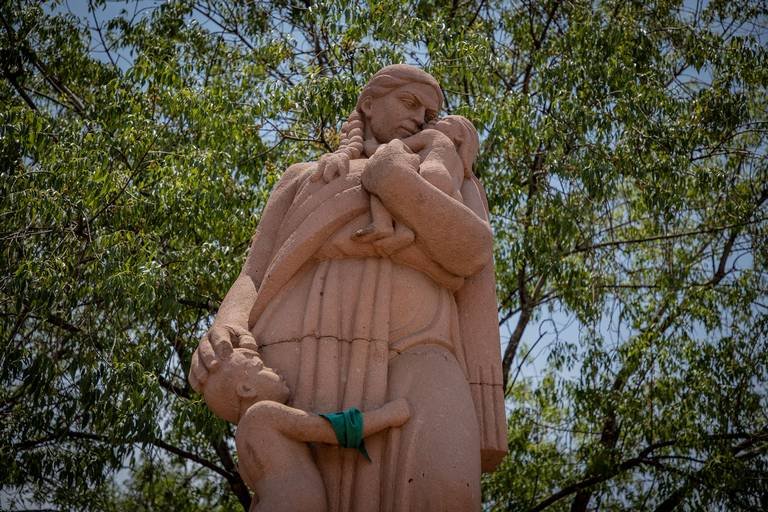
217, 344
388, 156
427, 138
224, 337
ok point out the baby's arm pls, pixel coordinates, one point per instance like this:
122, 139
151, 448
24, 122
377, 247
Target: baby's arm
425, 140
391, 414
311, 428
440, 165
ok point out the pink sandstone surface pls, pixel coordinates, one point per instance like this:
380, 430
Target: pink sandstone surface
369, 284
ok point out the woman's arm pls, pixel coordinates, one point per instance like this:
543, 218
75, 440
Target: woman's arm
452, 234
426, 139
231, 321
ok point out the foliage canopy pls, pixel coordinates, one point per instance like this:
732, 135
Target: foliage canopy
624, 154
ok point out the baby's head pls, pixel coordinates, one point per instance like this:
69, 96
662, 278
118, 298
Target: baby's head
462, 133
238, 381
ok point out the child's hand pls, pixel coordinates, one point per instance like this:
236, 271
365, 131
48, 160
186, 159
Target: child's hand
397, 411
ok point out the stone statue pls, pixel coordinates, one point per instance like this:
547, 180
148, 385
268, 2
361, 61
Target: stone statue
440, 164
369, 284
271, 437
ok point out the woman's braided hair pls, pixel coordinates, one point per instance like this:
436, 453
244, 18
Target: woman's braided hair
383, 82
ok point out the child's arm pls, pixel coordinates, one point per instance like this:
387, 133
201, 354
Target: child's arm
311, 428
391, 414
440, 165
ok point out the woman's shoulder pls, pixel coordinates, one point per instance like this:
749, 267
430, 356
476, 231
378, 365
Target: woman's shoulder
298, 170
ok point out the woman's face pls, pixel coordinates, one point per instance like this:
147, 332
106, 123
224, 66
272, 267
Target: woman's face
400, 113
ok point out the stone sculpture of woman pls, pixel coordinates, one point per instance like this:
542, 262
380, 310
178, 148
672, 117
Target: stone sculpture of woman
355, 323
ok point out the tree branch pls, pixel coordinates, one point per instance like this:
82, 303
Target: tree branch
179, 391
668, 236
527, 305
74, 434
194, 458
236, 483
640, 459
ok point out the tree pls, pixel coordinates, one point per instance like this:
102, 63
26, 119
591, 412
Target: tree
624, 153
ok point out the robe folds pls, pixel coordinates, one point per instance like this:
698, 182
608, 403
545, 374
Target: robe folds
331, 314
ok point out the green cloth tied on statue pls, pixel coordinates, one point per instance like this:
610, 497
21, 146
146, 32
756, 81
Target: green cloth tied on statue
348, 426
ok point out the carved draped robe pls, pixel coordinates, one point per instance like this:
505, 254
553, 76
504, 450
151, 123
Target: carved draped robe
331, 313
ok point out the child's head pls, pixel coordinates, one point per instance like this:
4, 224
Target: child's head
462, 133
239, 381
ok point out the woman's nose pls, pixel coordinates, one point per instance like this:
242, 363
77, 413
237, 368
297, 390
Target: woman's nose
418, 115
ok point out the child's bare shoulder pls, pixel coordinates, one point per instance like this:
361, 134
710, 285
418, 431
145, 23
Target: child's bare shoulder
266, 409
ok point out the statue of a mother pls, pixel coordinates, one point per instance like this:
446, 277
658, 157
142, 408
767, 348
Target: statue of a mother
348, 324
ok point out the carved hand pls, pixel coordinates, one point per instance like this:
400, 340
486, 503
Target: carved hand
397, 412
224, 337
388, 156
330, 166
218, 343
391, 414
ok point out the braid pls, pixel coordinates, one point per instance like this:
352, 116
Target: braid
352, 136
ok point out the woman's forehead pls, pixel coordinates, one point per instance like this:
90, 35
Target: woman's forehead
426, 95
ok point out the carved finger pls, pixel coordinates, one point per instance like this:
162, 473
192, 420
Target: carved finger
417, 142
197, 373
343, 164
206, 354
221, 342
368, 234
399, 146
403, 237
237, 330
331, 169
247, 341
242, 337
413, 161
319, 169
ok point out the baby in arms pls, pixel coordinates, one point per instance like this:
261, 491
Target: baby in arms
447, 150
271, 437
